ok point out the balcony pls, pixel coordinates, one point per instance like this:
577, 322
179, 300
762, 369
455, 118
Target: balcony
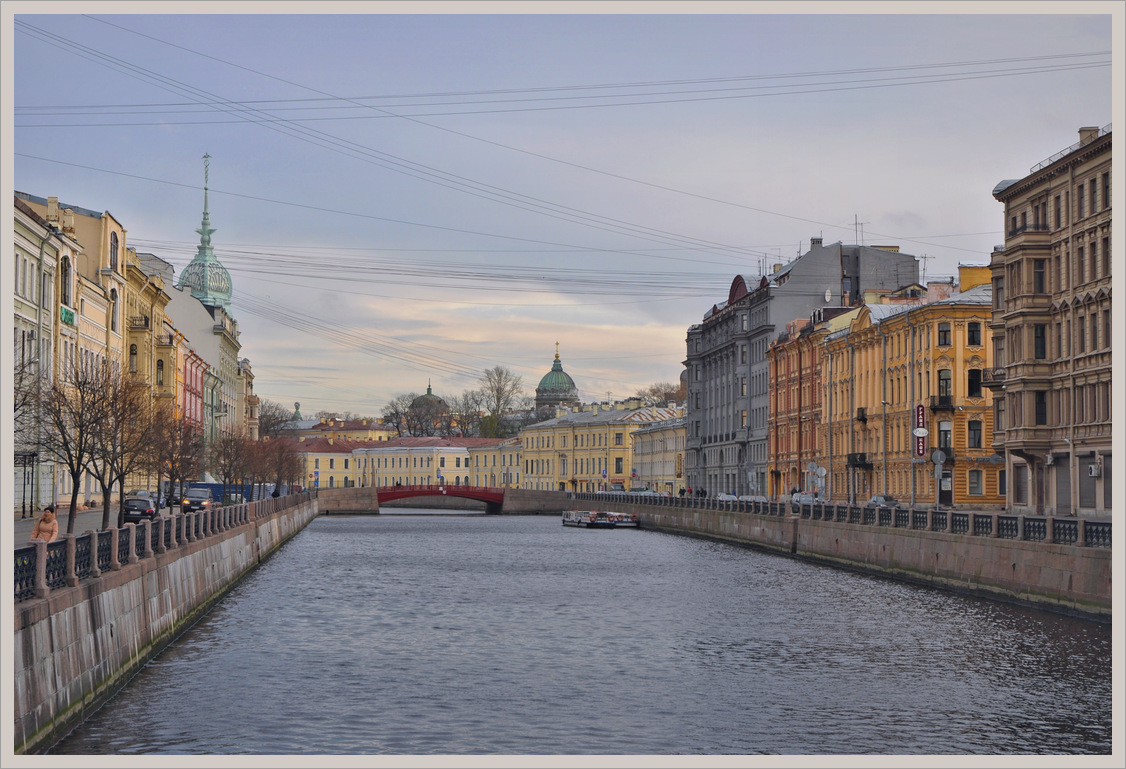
165, 340
942, 403
862, 415
860, 460
139, 322
993, 378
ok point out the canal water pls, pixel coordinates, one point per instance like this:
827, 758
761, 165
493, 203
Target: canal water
470, 634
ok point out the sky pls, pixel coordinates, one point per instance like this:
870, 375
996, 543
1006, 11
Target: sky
406, 195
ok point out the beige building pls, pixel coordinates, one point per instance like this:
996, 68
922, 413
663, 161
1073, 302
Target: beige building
658, 455
1051, 332
419, 461
586, 449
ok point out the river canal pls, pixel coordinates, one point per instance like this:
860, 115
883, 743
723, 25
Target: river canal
471, 634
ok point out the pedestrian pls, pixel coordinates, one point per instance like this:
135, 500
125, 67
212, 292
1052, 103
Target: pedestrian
46, 528
682, 491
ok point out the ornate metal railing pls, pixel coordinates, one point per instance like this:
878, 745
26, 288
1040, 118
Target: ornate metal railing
56, 563
1035, 529
1008, 527
883, 517
1065, 532
919, 519
902, 517
25, 572
938, 520
105, 550
1096, 533
959, 523
983, 525
83, 557
123, 541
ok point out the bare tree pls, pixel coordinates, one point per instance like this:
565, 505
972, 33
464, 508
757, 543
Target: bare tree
500, 389
71, 409
179, 449
273, 419
230, 454
465, 413
122, 437
660, 392
395, 412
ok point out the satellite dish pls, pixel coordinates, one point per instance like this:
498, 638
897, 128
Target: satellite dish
828, 294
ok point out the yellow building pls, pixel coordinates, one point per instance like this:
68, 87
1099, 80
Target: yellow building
347, 429
496, 465
658, 456
588, 449
325, 462
901, 367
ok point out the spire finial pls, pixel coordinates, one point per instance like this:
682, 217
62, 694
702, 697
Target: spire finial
557, 351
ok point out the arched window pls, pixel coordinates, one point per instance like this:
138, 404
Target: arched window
160, 373
113, 309
64, 280
132, 359
113, 251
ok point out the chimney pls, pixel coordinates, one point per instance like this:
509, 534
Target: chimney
814, 243
53, 210
777, 267
1088, 134
68, 222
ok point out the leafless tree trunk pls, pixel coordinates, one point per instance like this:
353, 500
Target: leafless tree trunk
123, 436
71, 409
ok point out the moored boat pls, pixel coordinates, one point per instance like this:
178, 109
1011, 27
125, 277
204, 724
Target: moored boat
589, 518
625, 519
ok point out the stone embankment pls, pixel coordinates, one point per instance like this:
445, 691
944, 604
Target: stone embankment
95, 608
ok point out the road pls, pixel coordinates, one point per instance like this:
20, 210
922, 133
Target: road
84, 521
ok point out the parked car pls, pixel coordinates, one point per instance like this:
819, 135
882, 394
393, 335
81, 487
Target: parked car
883, 500
197, 498
803, 498
727, 497
753, 498
145, 494
137, 509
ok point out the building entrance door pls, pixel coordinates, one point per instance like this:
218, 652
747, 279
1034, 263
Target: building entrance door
946, 488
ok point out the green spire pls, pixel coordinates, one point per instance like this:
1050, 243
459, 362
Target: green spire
207, 279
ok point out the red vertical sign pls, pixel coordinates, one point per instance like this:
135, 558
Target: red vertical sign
920, 421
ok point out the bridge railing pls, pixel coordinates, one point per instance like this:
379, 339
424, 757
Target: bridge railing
40, 567
1084, 532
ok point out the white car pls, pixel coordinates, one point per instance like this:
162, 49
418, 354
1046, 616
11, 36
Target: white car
727, 497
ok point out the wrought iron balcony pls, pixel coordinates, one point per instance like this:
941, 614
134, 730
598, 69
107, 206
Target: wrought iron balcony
942, 403
139, 321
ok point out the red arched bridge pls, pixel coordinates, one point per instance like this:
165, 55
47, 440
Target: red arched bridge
492, 496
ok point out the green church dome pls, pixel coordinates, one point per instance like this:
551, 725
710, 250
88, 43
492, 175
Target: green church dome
557, 388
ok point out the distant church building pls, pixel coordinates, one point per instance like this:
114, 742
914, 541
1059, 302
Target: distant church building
557, 388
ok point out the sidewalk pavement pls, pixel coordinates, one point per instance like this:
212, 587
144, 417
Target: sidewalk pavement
84, 520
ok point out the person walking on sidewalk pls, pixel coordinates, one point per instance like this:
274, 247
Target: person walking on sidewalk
46, 528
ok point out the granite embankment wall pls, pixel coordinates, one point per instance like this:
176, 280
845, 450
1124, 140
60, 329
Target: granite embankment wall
78, 644
1067, 578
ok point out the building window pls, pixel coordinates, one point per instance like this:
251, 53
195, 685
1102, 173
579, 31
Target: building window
1002, 476
1094, 271
973, 383
1080, 264
999, 292
332, 463
132, 359
973, 434
441, 461
1039, 271
944, 383
617, 439
113, 251
1041, 407
973, 333
618, 465
317, 463
943, 334
1081, 342
64, 283
975, 483
742, 353
743, 420
1106, 328
1057, 212
1094, 195
160, 373
346, 463
1106, 191
1079, 202
1040, 340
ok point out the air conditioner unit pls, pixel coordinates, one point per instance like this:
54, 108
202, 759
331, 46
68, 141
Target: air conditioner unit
1094, 471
